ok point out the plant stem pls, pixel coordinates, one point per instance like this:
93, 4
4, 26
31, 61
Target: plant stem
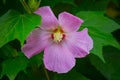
46, 73
26, 6
38, 3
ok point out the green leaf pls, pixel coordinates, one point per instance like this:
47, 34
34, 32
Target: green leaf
84, 67
14, 25
52, 3
12, 67
110, 69
70, 76
36, 60
7, 52
22, 76
96, 5
116, 2
100, 28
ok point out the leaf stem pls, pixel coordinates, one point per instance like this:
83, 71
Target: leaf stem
46, 73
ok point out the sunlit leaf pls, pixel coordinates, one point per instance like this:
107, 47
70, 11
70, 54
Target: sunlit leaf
100, 28
14, 25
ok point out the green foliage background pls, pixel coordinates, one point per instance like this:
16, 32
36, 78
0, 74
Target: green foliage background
101, 17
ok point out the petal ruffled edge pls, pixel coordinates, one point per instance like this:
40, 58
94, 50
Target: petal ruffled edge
69, 22
36, 42
49, 21
58, 58
79, 43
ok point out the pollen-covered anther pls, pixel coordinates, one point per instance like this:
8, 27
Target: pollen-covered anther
58, 36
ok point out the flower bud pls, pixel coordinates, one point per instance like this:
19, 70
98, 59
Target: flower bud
34, 4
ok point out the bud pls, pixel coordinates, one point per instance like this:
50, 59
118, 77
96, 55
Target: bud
33, 4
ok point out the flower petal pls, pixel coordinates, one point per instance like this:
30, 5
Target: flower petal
58, 58
49, 21
69, 22
79, 43
36, 42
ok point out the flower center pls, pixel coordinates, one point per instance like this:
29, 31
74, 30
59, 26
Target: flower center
58, 35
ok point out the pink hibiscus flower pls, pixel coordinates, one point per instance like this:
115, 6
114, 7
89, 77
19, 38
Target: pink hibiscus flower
59, 39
